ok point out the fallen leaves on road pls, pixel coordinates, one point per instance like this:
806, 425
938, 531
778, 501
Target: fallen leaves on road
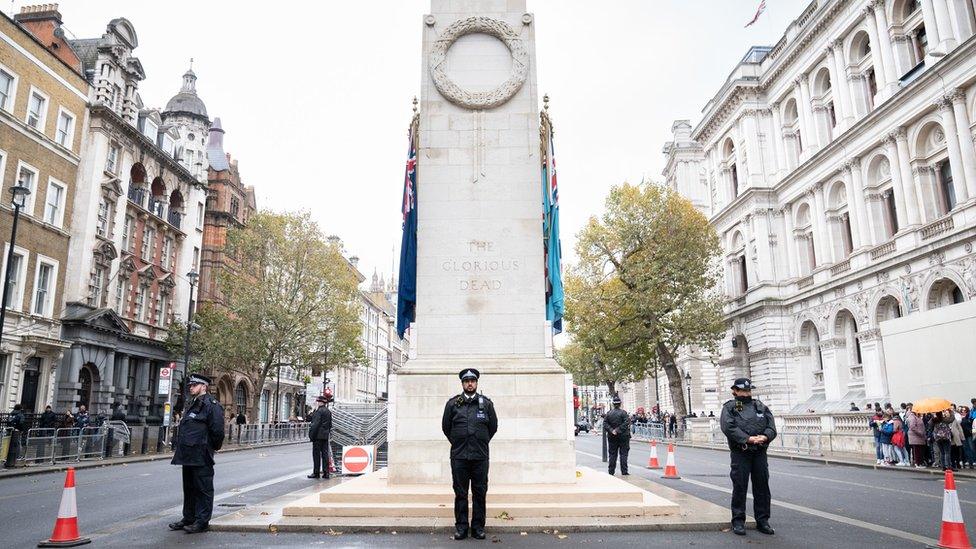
523, 533
332, 532
273, 529
265, 513
504, 516
562, 536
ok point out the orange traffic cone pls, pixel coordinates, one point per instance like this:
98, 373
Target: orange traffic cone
953, 533
652, 461
670, 470
66, 527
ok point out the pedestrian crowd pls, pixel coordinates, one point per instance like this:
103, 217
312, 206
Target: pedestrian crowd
903, 438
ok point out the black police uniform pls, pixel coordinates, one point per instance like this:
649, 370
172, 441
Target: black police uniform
318, 433
617, 420
201, 433
469, 423
742, 418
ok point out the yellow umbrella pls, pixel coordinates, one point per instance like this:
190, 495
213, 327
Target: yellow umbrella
930, 405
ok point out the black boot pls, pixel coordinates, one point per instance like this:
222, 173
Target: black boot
313, 475
738, 529
479, 533
196, 528
178, 525
765, 528
460, 532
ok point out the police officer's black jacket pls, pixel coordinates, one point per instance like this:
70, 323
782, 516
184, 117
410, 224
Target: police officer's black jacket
201, 432
321, 424
619, 420
741, 420
469, 423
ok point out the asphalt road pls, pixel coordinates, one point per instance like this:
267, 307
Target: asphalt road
814, 505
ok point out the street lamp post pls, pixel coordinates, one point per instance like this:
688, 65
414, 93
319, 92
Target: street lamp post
192, 278
18, 199
688, 383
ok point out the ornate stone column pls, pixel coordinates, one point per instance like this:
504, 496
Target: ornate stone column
880, 28
959, 175
820, 242
947, 36
841, 84
872, 359
753, 171
808, 131
966, 148
751, 271
931, 27
860, 216
834, 386
789, 242
910, 192
778, 140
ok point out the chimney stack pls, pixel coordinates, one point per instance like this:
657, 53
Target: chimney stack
38, 13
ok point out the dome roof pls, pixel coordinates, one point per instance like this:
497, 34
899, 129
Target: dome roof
187, 99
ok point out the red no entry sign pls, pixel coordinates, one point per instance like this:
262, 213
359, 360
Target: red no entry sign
357, 459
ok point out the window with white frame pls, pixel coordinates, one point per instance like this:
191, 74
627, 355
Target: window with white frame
95, 285
164, 261
200, 212
54, 203
158, 310
27, 177
128, 234
8, 85
45, 280
66, 128
148, 236
36, 109
150, 129
112, 159
15, 286
141, 303
101, 226
122, 294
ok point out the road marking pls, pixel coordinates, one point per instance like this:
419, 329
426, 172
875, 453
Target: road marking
178, 510
809, 511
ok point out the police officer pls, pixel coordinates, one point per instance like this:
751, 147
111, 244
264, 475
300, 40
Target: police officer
201, 433
616, 425
469, 423
749, 426
318, 432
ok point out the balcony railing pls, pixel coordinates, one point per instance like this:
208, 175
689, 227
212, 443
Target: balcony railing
175, 218
941, 226
157, 207
841, 267
883, 250
804, 282
137, 195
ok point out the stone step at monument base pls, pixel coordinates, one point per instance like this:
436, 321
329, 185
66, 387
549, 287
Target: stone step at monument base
595, 494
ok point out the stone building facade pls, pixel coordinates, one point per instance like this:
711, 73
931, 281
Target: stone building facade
137, 231
43, 96
839, 170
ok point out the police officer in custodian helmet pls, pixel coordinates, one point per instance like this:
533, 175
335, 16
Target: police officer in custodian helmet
749, 426
469, 423
201, 433
617, 427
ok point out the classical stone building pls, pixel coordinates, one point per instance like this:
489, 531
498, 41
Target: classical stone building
839, 170
137, 226
43, 96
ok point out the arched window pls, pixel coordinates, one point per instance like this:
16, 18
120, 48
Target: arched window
240, 397
848, 349
738, 266
943, 293
803, 233
811, 360
823, 104
882, 204
265, 397
87, 377
888, 309
907, 15
935, 174
860, 57
838, 214
728, 154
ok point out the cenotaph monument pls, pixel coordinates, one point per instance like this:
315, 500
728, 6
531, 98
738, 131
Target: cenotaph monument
481, 294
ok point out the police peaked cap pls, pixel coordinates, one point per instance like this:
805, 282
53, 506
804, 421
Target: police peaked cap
469, 373
616, 399
199, 378
742, 383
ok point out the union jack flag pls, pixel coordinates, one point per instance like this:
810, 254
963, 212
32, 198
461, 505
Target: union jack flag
407, 290
759, 11
410, 177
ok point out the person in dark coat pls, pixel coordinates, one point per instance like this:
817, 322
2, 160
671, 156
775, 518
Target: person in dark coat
200, 434
17, 426
82, 418
616, 425
318, 433
49, 420
469, 423
748, 424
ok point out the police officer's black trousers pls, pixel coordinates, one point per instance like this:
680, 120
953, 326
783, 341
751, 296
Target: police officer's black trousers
320, 457
475, 472
198, 493
744, 465
617, 445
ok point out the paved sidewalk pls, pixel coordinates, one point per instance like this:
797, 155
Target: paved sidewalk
828, 458
23, 471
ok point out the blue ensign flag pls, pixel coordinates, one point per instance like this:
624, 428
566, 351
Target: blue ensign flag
407, 289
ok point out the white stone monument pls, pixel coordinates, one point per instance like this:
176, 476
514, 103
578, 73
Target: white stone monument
480, 272
480, 304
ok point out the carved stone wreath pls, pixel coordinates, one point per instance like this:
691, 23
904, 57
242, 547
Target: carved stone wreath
479, 100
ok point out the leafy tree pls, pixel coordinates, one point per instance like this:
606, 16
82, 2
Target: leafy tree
646, 284
293, 299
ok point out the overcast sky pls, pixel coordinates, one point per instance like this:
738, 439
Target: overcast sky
315, 96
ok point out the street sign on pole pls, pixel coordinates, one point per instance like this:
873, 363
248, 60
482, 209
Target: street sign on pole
165, 381
357, 460
166, 410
